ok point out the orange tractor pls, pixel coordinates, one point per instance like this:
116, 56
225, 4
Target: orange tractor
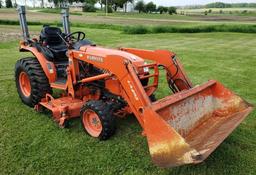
100, 84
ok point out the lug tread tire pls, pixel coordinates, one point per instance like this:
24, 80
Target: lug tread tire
105, 114
38, 80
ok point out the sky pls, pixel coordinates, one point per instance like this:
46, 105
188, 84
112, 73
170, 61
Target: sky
193, 2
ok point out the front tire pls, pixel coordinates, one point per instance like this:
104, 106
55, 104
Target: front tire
97, 119
31, 81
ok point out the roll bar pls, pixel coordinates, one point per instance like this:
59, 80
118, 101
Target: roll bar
23, 22
24, 26
65, 20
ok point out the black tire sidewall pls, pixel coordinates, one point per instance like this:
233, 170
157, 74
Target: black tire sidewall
26, 99
106, 118
38, 80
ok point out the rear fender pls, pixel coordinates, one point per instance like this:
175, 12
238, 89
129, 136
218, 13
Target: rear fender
48, 66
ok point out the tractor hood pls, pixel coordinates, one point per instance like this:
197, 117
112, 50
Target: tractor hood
104, 52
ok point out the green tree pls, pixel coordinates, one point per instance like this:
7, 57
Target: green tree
113, 4
87, 1
162, 9
244, 11
59, 3
140, 6
0, 4
218, 5
8, 4
150, 7
165, 9
172, 10
89, 8
110, 10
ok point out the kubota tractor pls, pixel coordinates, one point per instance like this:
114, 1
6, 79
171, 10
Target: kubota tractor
100, 84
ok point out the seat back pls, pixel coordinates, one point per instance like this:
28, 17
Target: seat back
50, 36
52, 43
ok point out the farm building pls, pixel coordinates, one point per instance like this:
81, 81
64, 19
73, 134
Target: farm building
75, 6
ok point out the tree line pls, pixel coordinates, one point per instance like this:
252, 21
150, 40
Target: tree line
89, 5
229, 5
223, 5
152, 8
140, 5
8, 4
113, 4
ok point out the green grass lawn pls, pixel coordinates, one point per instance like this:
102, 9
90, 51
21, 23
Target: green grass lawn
31, 143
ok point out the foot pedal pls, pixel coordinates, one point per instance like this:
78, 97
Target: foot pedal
60, 83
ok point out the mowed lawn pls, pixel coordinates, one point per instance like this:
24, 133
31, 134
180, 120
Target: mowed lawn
31, 143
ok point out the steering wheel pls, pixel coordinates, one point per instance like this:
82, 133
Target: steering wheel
75, 36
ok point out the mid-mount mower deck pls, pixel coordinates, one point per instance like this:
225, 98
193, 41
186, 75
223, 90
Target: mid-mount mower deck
99, 84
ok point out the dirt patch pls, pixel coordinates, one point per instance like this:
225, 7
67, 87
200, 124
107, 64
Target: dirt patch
9, 36
12, 34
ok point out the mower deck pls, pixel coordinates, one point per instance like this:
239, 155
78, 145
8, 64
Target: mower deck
62, 108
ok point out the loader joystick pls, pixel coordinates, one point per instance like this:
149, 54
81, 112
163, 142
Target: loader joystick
75, 36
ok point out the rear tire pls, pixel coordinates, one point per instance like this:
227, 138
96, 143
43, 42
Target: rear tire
97, 119
36, 84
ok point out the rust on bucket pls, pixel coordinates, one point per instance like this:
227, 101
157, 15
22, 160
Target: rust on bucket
188, 126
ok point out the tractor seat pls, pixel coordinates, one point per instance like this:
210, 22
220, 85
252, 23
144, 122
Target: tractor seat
52, 42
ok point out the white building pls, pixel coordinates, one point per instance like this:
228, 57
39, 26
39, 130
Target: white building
129, 7
77, 6
31, 3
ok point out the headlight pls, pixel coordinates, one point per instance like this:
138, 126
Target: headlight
146, 69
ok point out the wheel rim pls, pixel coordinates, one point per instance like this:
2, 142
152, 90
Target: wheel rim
92, 123
25, 84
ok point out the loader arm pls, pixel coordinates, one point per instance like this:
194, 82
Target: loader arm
176, 76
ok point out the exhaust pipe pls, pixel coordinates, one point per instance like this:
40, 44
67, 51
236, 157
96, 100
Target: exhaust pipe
65, 20
23, 22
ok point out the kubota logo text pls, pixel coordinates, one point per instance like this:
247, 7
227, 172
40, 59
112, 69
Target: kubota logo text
95, 58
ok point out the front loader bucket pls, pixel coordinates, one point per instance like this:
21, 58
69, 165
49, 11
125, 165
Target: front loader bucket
187, 127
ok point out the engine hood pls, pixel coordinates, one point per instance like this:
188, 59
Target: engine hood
104, 52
